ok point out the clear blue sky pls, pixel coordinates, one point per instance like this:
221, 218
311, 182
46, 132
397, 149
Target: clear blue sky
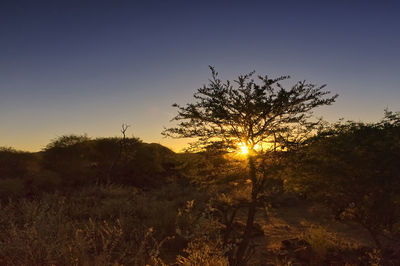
89, 66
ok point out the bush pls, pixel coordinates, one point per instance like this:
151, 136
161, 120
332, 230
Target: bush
354, 169
320, 241
203, 232
11, 188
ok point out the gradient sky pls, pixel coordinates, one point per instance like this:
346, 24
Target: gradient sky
89, 66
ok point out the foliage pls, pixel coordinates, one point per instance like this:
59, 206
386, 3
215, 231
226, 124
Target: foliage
20, 174
79, 160
202, 230
15, 164
319, 239
202, 251
256, 114
99, 225
249, 112
66, 141
192, 208
353, 167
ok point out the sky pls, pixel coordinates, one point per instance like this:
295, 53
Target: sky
87, 67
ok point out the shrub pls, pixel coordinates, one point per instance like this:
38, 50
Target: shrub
320, 240
11, 188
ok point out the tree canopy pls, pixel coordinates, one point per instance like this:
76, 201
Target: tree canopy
252, 113
249, 111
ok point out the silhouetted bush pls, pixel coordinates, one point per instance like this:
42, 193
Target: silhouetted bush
79, 161
354, 168
15, 164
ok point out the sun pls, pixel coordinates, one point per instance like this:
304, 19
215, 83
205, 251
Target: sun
243, 148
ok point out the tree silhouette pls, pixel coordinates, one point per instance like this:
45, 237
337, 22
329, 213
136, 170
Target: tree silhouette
255, 114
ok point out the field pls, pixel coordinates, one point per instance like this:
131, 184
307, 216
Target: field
114, 201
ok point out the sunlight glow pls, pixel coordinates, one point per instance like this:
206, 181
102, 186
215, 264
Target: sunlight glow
243, 148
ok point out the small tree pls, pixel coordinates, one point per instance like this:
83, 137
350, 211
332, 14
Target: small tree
255, 114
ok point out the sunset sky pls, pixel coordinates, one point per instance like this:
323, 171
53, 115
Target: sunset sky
89, 66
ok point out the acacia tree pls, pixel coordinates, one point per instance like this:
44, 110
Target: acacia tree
254, 113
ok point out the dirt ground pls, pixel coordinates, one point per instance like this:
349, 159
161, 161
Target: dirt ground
297, 220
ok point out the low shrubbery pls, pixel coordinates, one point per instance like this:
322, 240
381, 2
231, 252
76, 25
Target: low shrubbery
118, 201
73, 161
100, 225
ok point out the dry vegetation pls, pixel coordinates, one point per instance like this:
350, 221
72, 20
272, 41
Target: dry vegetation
123, 202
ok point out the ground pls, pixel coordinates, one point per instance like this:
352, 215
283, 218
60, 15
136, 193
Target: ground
285, 228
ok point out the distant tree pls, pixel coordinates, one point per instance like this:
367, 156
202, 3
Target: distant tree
122, 150
255, 114
354, 168
68, 157
66, 141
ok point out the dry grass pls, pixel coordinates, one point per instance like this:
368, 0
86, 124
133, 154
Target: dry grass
110, 225
114, 225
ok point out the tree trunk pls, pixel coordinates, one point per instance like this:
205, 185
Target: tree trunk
239, 259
